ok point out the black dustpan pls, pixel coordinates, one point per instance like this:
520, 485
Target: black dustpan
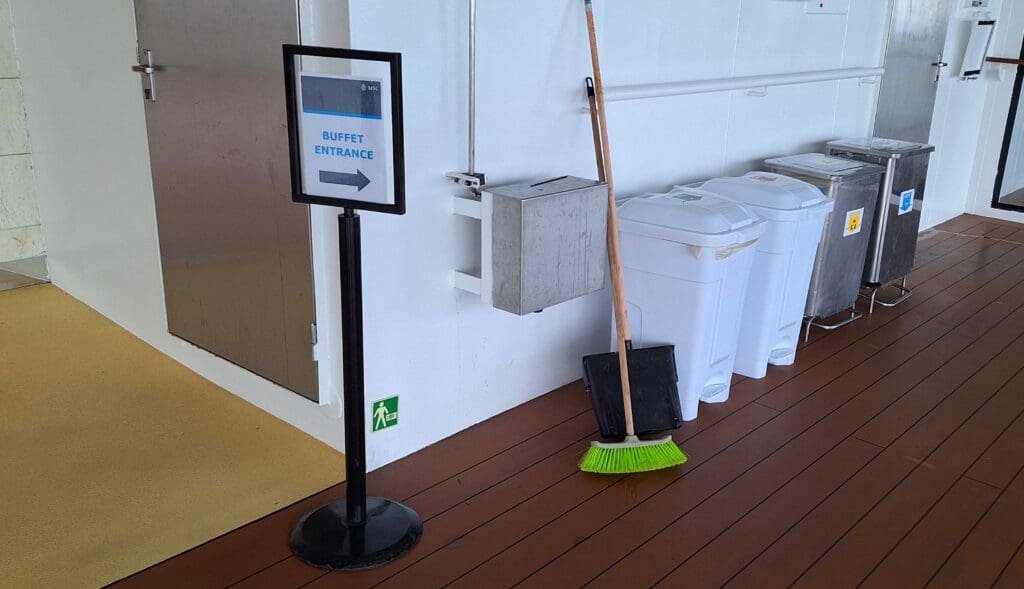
653, 383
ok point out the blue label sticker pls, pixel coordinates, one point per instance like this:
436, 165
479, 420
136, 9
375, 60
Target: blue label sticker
906, 201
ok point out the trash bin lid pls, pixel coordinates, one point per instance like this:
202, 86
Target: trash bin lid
877, 146
689, 216
768, 191
824, 167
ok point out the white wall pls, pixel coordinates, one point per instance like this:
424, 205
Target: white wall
456, 362
453, 361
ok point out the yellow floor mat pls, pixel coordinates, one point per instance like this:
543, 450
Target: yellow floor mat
114, 457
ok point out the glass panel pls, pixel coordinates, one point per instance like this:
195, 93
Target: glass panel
1013, 169
1009, 189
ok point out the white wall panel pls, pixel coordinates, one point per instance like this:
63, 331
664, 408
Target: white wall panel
788, 120
669, 140
661, 43
855, 108
777, 36
866, 32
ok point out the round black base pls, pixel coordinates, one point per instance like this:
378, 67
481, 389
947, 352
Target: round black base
323, 539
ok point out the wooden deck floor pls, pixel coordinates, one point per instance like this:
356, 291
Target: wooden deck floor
890, 455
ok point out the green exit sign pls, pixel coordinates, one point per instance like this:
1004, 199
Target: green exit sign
385, 413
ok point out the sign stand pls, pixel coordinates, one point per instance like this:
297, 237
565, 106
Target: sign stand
358, 532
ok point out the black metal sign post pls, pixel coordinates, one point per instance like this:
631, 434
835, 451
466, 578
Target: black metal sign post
337, 127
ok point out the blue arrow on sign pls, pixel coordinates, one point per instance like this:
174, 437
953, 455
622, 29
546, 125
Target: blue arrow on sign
359, 179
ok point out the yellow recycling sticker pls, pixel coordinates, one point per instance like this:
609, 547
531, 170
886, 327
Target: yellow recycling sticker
853, 222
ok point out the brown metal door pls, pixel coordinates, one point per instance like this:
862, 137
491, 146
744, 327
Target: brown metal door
235, 250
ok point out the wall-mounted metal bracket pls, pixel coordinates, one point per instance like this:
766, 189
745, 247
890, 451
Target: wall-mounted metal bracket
472, 207
471, 180
468, 282
467, 207
872, 296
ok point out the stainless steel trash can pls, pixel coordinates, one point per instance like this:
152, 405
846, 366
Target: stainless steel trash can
835, 282
898, 210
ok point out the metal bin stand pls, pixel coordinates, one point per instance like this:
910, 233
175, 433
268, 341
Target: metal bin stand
898, 213
853, 185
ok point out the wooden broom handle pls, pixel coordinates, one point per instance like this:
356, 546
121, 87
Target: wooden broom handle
614, 254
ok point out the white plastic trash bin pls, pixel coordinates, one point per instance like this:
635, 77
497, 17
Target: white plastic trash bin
687, 256
795, 212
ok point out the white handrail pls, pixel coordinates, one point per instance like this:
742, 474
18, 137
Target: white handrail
638, 91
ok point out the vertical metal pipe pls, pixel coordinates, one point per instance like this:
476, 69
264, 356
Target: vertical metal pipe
352, 362
472, 86
879, 230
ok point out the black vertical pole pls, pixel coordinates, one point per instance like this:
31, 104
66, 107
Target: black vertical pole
352, 363
359, 532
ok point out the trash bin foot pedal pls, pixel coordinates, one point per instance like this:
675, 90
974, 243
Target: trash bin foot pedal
873, 297
813, 322
906, 292
715, 393
782, 357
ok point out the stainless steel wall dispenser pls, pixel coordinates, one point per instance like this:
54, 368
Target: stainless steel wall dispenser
541, 244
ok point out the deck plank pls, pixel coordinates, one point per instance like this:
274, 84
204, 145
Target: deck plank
989, 549
1003, 460
455, 560
517, 562
916, 559
864, 546
717, 560
786, 559
1013, 575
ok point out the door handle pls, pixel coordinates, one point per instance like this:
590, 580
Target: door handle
938, 65
148, 69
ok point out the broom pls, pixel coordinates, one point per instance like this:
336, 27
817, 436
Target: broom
632, 454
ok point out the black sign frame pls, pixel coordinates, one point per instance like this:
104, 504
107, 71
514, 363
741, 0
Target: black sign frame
291, 53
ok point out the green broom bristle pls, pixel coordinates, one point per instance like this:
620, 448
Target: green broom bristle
632, 456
